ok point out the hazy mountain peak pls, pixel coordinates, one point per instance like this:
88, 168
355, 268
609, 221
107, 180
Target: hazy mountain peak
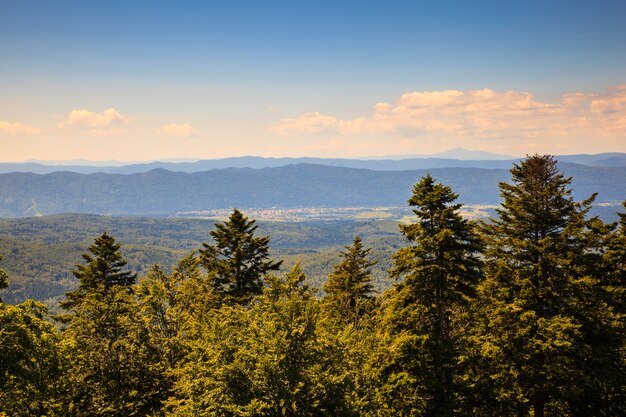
462, 153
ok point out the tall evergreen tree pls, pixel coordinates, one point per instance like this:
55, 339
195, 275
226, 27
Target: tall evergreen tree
238, 260
348, 288
538, 305
437, 276
111, 367
103, 269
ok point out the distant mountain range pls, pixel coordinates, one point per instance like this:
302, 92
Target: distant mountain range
455, 158
163, 192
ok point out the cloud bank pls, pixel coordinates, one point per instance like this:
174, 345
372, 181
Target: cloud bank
478, 115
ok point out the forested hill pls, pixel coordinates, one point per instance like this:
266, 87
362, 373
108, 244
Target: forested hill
162, 192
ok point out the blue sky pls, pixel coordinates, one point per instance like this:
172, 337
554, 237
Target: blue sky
225, 78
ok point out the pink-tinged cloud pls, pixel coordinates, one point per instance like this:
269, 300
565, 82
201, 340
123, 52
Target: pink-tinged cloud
183, 130
17, 129
478, 114
100, 124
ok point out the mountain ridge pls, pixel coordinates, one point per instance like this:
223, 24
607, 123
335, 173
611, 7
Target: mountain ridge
609, 159
162, 192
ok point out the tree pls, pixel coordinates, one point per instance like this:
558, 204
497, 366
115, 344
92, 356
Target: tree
348, 288
103, 270
436, 277
172, 304
238, 259
539, 307
607, 394
111, 369
615, 281
261, 360
4, 279
29, 360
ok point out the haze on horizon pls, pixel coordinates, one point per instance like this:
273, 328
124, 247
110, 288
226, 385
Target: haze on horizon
150, 80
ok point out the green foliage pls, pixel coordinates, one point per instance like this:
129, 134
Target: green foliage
111, 368
4, 279
104, 269
439, 273
158, 296
172, 305
40, 252
543, 333
615, 278
348, 288
29, 360
540, 318
238, 260
265, 360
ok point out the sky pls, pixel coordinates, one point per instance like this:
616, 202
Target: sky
146, 80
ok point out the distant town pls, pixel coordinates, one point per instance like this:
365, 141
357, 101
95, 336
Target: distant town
301, 214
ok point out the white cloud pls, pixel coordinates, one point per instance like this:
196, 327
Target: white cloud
478, 114
100, 124
17, 129
173, 129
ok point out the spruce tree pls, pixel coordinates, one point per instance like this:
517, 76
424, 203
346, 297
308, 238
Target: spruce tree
535, 317
103, 269
436, 276
111, 367
348, 288
238, 260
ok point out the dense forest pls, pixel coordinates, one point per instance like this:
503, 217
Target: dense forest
519, 315
40, 252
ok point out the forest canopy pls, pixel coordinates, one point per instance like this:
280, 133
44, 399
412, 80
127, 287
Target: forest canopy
518, 315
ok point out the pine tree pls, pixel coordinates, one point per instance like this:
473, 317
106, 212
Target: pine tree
437, 275
348, 288
238, 259
533, 336
104, 269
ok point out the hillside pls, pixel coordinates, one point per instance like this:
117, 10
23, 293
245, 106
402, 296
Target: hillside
161, 192
39, 253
